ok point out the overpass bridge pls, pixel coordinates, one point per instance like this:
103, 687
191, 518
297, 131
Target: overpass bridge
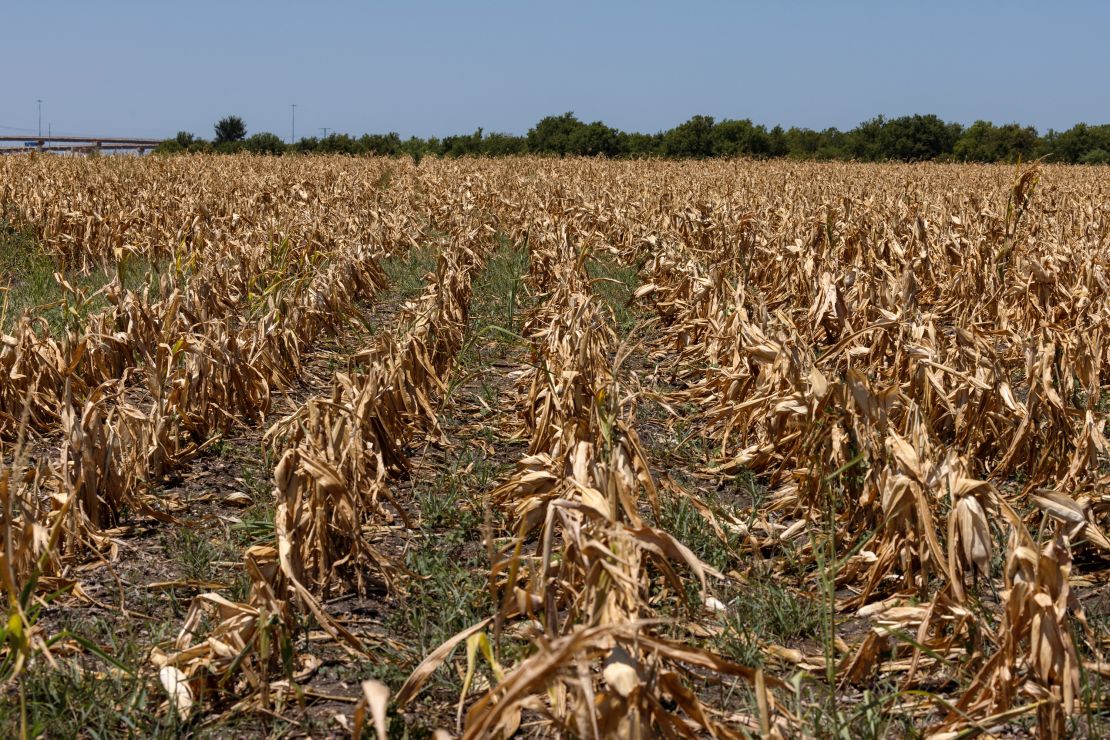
75, 144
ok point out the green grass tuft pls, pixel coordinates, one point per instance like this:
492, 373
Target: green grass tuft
28, 285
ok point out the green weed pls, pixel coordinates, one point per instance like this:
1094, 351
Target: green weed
28, 285
615, 284
765, 613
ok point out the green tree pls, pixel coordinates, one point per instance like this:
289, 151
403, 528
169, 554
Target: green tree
463, 145
182, 142
384, 145
168, 146
1075, 144
740, 139
694, 138
777, 141
338, 144
500, 145
230, 129
265, 143
832, 143
591, 140
802, 143
916, 138
864, 141
434, 146
553, 134
982, 141
416, 148
640, 145
1096, 156
306, 145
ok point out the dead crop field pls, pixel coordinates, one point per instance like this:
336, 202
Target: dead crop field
332, 447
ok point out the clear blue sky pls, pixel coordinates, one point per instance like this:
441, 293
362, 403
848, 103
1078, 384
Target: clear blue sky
434, 68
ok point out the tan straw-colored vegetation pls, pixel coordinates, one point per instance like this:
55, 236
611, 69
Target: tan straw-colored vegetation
575, 448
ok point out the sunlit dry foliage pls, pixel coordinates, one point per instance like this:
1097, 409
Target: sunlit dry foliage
908, 359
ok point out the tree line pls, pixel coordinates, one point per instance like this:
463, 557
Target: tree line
906, 138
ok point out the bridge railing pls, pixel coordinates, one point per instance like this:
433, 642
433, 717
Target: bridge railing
75, 144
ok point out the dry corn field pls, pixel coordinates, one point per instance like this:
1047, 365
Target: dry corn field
315, 446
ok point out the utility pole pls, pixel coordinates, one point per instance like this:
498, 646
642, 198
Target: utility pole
40, 117
293, 135
325, 130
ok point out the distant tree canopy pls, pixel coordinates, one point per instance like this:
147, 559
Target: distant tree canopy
181, 143
265, 143
982, 141
906, 138
230, 129
553, 135
1081, 143
911, 138
387, 145
744, 139
691, 139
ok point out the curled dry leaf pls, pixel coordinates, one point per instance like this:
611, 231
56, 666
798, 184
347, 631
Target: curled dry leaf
238, 499
1060, 507
176, 684
375, 698
620, 672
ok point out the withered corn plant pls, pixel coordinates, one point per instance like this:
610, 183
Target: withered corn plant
910, 361
332, 487
887, 352
600, 666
